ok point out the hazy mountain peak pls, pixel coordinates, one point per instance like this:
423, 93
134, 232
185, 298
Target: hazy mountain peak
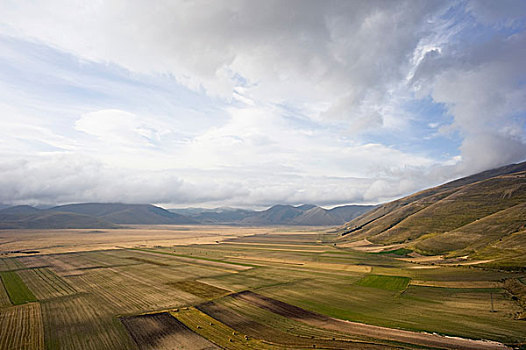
19, 209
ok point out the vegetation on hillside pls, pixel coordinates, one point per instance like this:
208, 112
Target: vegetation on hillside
482, 216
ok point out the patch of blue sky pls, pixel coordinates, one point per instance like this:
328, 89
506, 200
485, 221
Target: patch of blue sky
239, 79
425, 135
422, 134
520, 119
296, 116
475, 32
43, 71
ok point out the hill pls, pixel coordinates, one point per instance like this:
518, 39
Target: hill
222, 216
313, 217
107, 215
305, 215
27, 217
349, 212
127, 214
275, 215
88, 215
301, 215
462, 217
19, 210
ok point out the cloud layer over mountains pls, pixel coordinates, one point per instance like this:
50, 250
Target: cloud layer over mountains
256, 102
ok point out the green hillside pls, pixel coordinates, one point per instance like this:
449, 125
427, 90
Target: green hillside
477, 216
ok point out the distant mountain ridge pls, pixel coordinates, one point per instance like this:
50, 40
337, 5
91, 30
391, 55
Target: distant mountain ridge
127, 214
27, 217
110, 215
88, 215
280, 214
222, 215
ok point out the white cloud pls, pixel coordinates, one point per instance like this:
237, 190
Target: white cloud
54, 179
486, 99
306, 101
121, 127
301, 52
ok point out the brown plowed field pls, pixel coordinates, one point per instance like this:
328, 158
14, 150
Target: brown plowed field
162, 331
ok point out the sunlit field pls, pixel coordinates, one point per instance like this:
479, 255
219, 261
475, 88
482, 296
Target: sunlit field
241, 288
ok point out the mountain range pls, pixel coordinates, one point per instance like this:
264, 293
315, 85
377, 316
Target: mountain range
480, 216
303, 215
88, 215
110, 215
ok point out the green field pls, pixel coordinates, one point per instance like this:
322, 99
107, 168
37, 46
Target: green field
384, 282
16, 288
399, 251
83, 296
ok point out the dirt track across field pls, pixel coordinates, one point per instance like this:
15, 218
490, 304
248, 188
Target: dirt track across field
322, 321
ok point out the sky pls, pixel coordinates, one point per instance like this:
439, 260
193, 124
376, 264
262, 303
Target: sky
254, 103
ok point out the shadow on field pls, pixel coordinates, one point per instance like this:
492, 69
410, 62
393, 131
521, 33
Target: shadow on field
162, 331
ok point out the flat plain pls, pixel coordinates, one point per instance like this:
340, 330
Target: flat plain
156, 287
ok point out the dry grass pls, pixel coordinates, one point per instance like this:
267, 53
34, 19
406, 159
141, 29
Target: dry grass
200, 289
45, 284
4, 298
69, 240
82, 322
21, 328
306, 264
457, 284
127, 292
8, 264
365, 245
296, 268
219, 333
518, 290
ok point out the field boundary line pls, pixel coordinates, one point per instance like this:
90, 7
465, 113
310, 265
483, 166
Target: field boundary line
393, 334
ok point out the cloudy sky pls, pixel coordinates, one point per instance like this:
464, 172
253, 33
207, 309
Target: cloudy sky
252, 103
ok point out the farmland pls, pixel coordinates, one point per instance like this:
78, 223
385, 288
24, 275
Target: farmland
384, 282
16, 289
21, 327
162, 331
237, 288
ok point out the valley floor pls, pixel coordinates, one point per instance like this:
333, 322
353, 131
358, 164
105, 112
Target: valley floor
198, 287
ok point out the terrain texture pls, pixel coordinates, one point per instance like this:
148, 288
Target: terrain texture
479, 217
440, 269
195, 287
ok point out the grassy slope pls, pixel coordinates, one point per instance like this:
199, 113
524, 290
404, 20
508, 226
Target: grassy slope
470, 203
363, 223
471, 216
478, 234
